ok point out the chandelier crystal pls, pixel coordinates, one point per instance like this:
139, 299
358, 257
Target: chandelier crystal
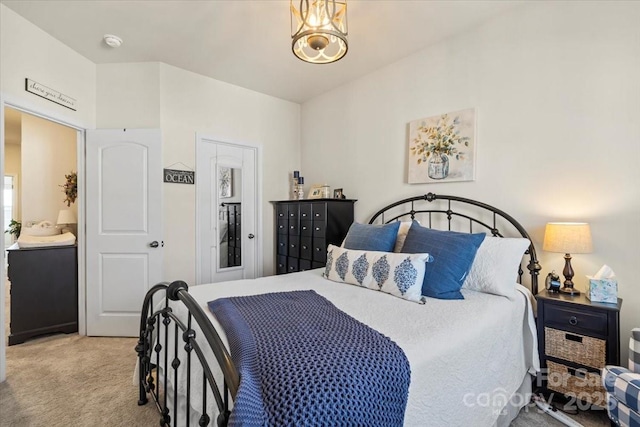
319, 30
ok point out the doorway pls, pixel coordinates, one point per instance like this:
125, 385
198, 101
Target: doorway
227, 211
44, 200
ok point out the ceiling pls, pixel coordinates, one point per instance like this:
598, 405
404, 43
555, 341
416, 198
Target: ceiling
248, 43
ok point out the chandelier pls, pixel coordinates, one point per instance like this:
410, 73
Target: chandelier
319, 30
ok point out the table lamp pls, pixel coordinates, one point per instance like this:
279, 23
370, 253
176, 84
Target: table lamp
568, 238
66, 217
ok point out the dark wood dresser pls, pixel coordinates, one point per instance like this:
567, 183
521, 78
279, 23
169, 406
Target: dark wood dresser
576, 339
44, 291
304, 229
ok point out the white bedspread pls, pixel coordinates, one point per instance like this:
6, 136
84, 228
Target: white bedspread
467, 357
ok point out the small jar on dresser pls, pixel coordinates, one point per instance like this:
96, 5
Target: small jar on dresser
576, 339
304, 229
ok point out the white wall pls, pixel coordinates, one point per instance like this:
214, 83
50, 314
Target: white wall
28, 52
557, 94
182, 103
193, 103
12, 166
128, 95
48, 153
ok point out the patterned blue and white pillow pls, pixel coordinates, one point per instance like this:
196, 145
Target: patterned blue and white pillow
394, 273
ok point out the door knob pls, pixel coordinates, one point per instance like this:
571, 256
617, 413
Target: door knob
154, 244
251, 236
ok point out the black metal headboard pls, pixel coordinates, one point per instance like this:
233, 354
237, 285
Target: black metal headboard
480, 215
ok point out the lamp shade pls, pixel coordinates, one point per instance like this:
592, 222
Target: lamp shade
567, 238
66, 216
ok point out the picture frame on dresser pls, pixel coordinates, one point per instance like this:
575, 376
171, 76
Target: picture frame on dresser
577, 337
316, 192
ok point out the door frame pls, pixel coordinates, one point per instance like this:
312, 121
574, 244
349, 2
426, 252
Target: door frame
201, 138
43, 113
15, 192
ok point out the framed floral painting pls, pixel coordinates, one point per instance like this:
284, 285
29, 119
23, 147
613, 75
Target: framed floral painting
442, 148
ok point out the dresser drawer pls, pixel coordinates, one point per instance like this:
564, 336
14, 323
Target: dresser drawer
283, 226
582, 384
281, 267
306, 248
281, 211
304, 265
306, 228
305, 211
292, 212
294, 246
293, 227
575, 348
570, 319
318, 212
319, 250
292, 265
283, 244
319, 228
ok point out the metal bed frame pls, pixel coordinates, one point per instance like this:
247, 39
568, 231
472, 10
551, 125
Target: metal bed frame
156, 319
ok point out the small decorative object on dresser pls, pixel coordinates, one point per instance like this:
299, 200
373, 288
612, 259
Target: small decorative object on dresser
316, 191
338, 194
552, 282
576, 339
305, 229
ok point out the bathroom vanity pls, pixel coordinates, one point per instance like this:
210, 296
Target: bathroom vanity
44, 291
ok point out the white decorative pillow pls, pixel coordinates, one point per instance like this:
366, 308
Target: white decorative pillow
402, 235
396, 274
495, 267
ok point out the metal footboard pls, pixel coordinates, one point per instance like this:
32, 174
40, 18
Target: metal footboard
157, 324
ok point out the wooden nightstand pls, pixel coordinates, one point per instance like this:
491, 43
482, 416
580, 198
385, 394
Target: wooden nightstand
576, 339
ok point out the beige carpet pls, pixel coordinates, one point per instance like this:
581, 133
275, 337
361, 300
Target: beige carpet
69, 380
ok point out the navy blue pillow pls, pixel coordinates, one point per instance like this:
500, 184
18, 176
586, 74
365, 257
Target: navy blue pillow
453, 254
367, 237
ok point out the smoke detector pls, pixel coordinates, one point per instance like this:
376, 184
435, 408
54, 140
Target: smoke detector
112, 41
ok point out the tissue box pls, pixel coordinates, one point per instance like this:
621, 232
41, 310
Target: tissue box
603, 290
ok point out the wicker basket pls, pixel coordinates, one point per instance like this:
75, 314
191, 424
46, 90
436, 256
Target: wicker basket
583, 385
575, 348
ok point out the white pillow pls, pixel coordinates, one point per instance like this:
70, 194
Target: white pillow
402, 235
495, 267
396, 274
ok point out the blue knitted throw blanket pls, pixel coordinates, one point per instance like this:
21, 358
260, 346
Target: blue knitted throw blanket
302, 361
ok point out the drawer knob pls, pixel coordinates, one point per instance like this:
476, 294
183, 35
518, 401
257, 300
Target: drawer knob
573, 320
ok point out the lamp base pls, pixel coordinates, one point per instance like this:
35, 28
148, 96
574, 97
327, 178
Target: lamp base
569, 291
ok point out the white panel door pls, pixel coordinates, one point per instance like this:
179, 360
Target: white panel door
124, 227
215, 231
